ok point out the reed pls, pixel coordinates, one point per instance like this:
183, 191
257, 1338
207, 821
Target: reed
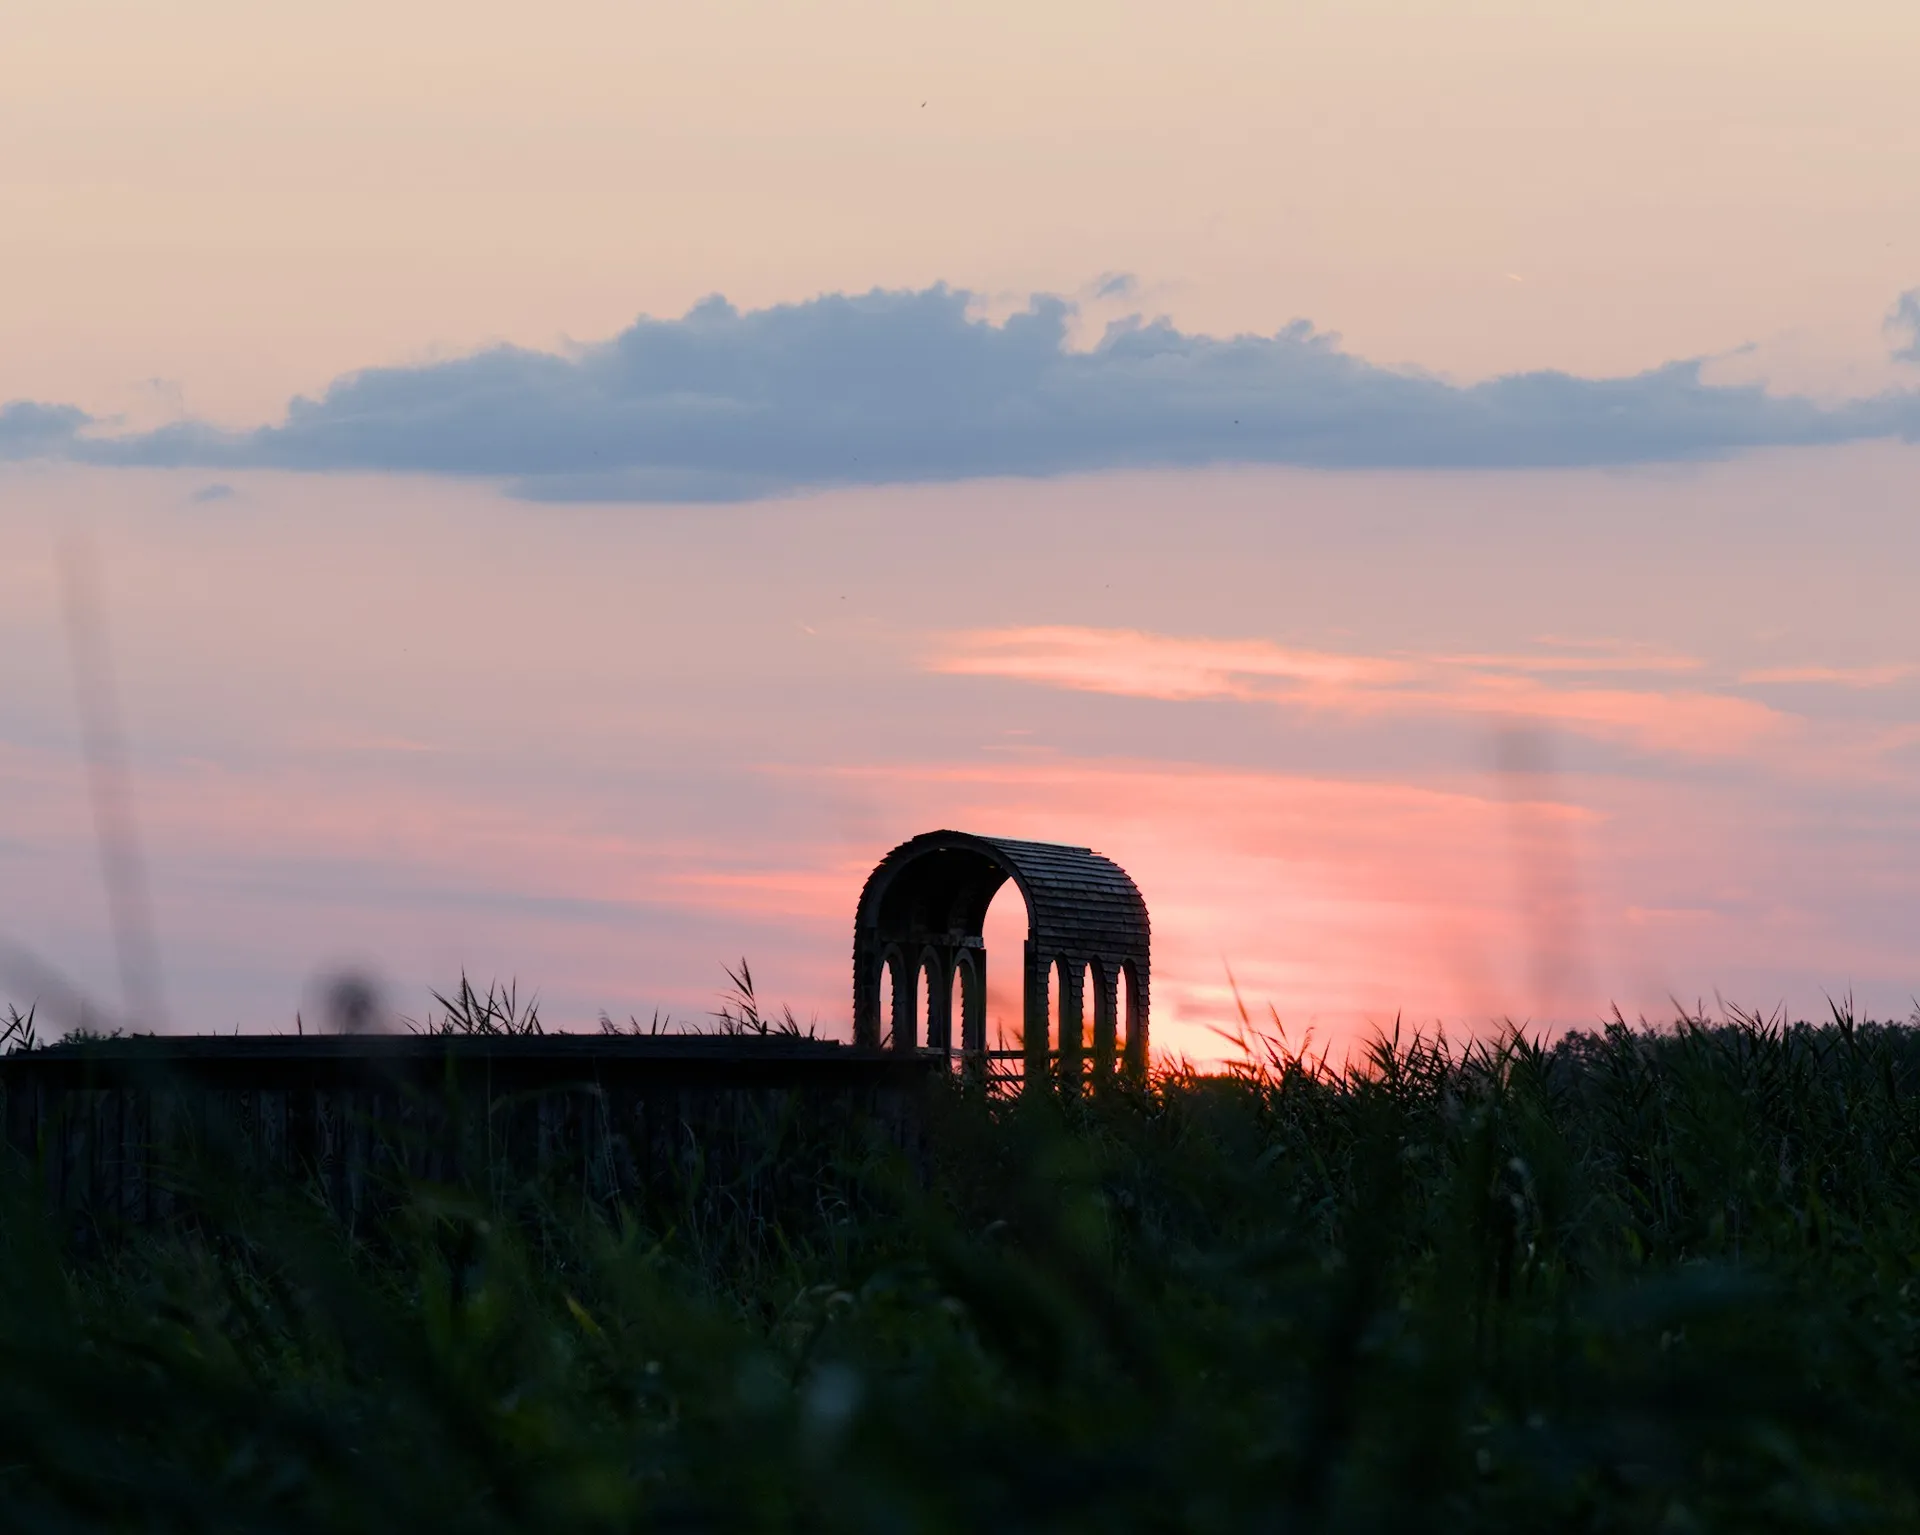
1633, 1279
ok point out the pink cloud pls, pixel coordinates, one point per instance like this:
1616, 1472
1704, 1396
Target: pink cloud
1691, 722
1141, 665
1836, 676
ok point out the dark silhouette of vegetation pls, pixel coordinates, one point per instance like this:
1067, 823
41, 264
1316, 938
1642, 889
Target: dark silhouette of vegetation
1633, 1280
470, 1011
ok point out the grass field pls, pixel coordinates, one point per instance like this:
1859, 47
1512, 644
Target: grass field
1641, 1280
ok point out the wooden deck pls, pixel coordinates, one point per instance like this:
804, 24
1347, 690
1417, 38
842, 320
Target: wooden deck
118, 1130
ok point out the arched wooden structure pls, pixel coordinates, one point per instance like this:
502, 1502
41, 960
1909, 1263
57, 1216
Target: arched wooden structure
923, 909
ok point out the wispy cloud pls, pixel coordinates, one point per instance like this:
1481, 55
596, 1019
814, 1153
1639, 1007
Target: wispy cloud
1169, 667
1585, 657
915, 386
1834, 676
1689, 722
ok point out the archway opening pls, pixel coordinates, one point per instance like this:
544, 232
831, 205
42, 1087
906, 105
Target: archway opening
1004, 934
1129, 1011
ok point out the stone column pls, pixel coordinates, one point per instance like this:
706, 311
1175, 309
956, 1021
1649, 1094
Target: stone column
906, 986
940, 999
1034, 1020
1136, 1062
869, 978
1072, 1022
973, 1013
1106, 1021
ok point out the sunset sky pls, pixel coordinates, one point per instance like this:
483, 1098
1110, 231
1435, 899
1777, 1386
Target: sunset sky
1431, 487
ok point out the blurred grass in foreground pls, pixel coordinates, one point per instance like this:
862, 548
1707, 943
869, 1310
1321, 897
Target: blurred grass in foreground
1638, 1280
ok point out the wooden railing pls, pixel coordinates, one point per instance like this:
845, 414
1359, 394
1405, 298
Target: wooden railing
1002, 1070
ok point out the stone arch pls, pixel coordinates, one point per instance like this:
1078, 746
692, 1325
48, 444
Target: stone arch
931, 894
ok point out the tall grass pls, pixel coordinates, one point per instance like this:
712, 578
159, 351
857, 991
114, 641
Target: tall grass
497, 1011
1635, 1280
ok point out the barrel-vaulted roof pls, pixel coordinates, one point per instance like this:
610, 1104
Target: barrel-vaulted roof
1080, 904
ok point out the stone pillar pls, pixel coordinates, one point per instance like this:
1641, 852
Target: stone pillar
906, 986
1072, 1022
973, 1029
869, 977
1135, 974
1106, 1021
940, 998
1033, 1022
970, 1028
967, 1023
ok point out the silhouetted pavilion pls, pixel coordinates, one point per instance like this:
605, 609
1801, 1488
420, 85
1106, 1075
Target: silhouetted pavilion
920, 921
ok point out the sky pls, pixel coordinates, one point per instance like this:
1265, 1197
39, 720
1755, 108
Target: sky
1425, 485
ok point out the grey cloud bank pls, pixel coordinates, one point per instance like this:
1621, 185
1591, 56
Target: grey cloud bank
29, 429
907, 386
